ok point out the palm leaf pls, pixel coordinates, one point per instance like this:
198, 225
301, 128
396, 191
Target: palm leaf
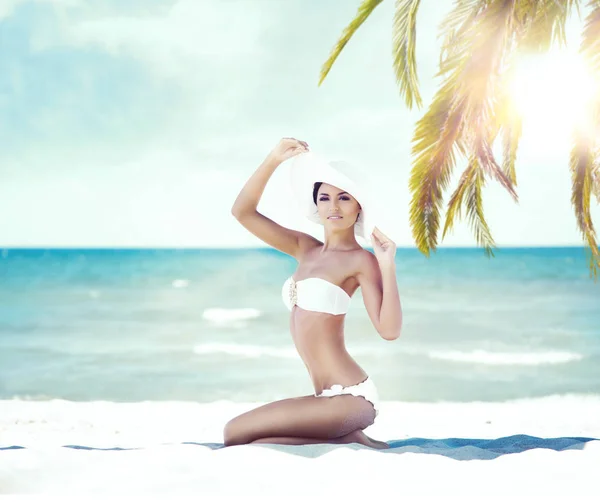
470, 186
364, 11
484, 153
596, 180
582, 165
474, 210
434, 149
590, 39
511, 123
471, 183
456, 200
544, 22
585, 158
457, 22
403, 48
510, 137
506, 118
459, 110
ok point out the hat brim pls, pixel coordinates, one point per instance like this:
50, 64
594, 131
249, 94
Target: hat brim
308, 168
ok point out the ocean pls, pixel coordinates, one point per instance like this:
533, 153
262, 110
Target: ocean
206, 325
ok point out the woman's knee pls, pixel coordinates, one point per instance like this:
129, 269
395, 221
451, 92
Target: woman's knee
233, 433
230, 434
370, 416
361, 416
366, 412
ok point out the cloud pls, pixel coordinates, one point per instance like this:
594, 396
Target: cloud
179, 41
8, 7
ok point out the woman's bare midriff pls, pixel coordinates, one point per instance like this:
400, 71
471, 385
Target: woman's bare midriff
319, 340
318, 336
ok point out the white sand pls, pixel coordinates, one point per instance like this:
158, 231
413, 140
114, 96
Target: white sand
513, 464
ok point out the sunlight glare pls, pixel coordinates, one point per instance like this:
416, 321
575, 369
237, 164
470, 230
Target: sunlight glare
552, 92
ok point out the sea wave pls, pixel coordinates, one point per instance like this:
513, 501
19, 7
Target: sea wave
180, 283
255, 351
230, 317
507, 358
250, 351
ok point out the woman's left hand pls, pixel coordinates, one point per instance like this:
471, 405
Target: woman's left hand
384, 247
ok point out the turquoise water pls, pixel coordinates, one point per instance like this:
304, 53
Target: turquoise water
209, 325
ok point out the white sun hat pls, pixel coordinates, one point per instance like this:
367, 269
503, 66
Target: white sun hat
308, 168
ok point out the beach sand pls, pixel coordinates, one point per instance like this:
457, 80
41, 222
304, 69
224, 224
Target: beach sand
543, 447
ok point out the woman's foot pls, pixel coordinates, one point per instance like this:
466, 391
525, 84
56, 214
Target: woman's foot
359, 436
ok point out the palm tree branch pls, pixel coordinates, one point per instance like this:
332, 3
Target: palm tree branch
544, 22
474, 210
596, 180
582, 167
457, 22
510, 138
364, 11
456, 200
433, 147
490, 166
507, 121
458, 109
403, 49
590, 39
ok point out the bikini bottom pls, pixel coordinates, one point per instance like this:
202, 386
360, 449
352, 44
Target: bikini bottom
364, 389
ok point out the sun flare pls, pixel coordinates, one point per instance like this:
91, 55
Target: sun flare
552, 92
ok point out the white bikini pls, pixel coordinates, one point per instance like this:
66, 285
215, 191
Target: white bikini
315, 294
319, 295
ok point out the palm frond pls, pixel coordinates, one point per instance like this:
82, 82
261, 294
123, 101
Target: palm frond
470, 186
582, 164
544, 22
456, 200
461, 16
403, 49
585, 156
510, 138
364, 11
457, 22
434, 150
474, 210
506, 119
590, 39
459, 110
477, 57
510, 122
484, 153
596, 180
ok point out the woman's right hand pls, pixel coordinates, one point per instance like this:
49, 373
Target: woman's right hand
287, 148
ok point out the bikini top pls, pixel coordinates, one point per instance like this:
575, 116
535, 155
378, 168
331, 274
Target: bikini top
315, 294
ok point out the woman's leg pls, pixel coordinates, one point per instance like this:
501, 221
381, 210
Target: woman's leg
357, 436
306, 419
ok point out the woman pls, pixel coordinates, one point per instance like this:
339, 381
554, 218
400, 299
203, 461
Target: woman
329, 272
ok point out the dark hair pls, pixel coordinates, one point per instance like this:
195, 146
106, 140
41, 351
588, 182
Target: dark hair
316, 191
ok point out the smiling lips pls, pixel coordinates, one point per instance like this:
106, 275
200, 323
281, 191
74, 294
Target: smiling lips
334, 217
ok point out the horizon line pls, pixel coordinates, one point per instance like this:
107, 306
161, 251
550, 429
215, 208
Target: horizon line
259, 247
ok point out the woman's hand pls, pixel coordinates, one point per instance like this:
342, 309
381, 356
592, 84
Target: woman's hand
384, 247
287, 148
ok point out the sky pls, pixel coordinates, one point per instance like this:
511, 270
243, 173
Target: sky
135, 123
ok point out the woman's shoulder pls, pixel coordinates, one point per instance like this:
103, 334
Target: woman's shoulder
357, 262
365, 262
364, 256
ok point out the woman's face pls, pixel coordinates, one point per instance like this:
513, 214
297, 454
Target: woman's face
337, 208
